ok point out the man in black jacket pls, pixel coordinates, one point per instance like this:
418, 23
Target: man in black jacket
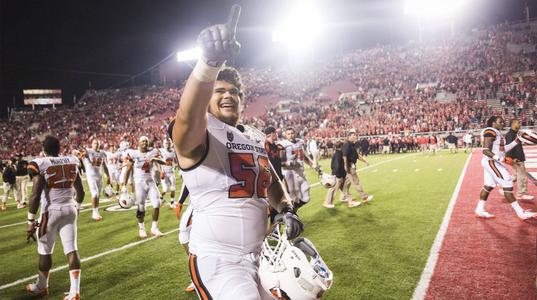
22, 180
518, 159
338, 170
9, 178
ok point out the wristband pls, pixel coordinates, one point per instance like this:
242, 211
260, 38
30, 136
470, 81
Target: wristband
205, 73
31, 216
496, 157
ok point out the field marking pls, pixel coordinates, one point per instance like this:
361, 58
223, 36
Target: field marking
127, 246
81, 211
421, 289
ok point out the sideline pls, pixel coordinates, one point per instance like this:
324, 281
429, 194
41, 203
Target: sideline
421, 289
127, 246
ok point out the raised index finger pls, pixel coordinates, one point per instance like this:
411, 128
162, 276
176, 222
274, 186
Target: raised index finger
233, 18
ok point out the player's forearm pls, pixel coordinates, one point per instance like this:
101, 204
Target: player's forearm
37, 189
488, 152
511, 145
79, 188
276, 197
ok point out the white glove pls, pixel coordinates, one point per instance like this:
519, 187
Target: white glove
218, 42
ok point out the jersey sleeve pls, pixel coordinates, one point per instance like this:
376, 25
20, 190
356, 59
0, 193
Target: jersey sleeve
33, 168
489, 133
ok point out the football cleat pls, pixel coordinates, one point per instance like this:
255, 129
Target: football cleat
156, 232
369, 198
328, 205
526, 215
4, 206
21, 205
190, 288
34, 290
483, 214
75, 296
354, 203
173, 204
97, 218
142, 234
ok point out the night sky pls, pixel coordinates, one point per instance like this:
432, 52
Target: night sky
67, 44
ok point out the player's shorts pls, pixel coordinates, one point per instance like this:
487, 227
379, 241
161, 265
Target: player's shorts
496, 173
114, 175
297, 184
451, 146
58, 219
144, 189
168, 183
226, 278
95, 185
185, 225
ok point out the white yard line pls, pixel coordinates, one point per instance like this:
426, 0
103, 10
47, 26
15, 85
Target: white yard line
82, 210
427, 274
127, 246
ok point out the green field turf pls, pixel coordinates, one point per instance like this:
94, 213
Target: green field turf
376, 251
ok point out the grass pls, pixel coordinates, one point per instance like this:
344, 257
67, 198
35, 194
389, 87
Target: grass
376, 251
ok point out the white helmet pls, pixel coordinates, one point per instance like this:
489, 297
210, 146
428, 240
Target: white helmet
108, 191
292, 271
328, 180
126, 200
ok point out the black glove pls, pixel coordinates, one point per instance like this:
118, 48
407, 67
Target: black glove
218, 42
293, 225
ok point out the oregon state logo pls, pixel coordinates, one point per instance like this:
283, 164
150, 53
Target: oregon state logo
230, 136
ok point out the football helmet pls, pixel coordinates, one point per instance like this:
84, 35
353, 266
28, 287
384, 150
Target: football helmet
528, 137
328, 180
292, 270
125, 200
108, 191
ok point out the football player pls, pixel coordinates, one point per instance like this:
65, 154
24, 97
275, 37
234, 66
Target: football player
55, 180
293, 168
94, 162
227, 174
185, 225
167, 175
495, 172
113, 160
140, 163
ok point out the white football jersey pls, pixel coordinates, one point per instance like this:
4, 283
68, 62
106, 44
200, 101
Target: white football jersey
60, 174
112, 159
228, 193
142, 165
168, 156
498, 146
294, 152
93, 162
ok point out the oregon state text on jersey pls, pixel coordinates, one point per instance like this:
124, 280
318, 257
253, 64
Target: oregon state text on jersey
228, 191
60, 174
498, 145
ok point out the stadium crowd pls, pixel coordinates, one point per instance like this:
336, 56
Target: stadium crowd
397, 94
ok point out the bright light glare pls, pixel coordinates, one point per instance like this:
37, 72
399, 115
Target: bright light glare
301, 26
433, 7
191, 54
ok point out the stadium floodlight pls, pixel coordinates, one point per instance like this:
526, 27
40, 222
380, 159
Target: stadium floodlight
191, 54
300, 27
433, 8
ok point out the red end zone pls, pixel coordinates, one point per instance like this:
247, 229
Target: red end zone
485, 259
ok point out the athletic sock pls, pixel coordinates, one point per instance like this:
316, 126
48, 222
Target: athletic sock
42, 279
481, 205
96, 211
141, 225
519, 211
154, 225
74, 275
